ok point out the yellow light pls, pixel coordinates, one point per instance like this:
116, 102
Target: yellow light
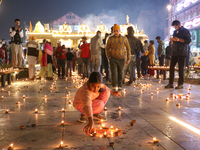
196, 130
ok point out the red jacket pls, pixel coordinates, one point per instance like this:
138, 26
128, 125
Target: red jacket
85, 48
60, 54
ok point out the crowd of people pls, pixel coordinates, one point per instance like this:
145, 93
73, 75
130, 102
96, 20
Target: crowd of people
116, 56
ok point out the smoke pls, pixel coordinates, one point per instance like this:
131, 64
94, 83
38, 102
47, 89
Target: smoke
115, 16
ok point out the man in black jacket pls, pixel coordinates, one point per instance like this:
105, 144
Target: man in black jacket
135, 47
138, 56
181, 39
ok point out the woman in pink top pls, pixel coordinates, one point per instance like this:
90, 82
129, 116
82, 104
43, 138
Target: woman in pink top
90, 100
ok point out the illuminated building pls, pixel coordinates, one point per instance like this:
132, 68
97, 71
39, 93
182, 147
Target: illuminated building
188, 13
69, 35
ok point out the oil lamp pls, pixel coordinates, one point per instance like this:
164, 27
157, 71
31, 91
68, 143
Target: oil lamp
167, 99
119, 108
63, 109
24, 96
155, 140
62, 122
105, 108
70, 102
7, 111
10, 147
36, 110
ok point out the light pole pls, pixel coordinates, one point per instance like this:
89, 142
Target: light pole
169, 7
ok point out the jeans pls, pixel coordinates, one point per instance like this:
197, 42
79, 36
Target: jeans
96, 62
85, 67
61, 63
174, 60
132, 69
117, 67
138, 59
69, 68
161, 62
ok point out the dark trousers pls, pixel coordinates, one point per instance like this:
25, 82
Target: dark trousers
61, 63
138, 66
105, 64
117, 67
85, 67
144, 72
161, 62
174, 60
69, 68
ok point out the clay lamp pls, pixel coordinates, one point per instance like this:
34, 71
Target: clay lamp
36, 110
61, 144
45, 96
142, 90
101, 136
100, 121
155, 140
2, 97
7, 111
19, 89
8, 92
9, 86
111, 144
119, 108
190, 86
111, 127
189, 93
63, 109
10, 147
167, 99
38, 91
124, 90
22, 127
68, 92
2, 89
105, 109
134, 121
178, 104
67, 95
17, 102
116, 133
33, 125
105, 134
189, 89
131, 123
69, 102
62, 122
94, 134
151, 94
157, 89
24, 96
134, 87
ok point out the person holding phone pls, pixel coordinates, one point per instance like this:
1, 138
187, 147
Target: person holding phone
16, 34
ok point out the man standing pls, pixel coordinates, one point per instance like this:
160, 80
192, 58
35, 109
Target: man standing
161, 52
138, 56
95, 49
135, 47
60, 55
85, 57
16, 34
33, 53
115, 50
181, 39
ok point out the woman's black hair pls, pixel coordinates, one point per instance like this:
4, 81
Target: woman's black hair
152, 42
95, 77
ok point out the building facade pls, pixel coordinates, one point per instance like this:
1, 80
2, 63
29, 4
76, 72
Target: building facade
188, 13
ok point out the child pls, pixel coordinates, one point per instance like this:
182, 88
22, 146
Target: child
69, 57
90, 100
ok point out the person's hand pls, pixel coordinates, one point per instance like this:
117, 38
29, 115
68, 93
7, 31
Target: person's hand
89, 128
172, 39
175, 38
16, 28
159, 55
127, 62
19, 29
117, 94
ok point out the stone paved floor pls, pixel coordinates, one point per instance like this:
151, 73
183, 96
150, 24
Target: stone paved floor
150, 112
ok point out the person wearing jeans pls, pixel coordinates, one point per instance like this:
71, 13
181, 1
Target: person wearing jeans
85, 57
116, 48
135, 47
69, 56
60, 55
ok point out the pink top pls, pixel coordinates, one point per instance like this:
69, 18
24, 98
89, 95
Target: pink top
85, 97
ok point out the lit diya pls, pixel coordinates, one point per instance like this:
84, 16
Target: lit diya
155, 140
106, 132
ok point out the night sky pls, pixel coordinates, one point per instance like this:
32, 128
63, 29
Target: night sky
48, 10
